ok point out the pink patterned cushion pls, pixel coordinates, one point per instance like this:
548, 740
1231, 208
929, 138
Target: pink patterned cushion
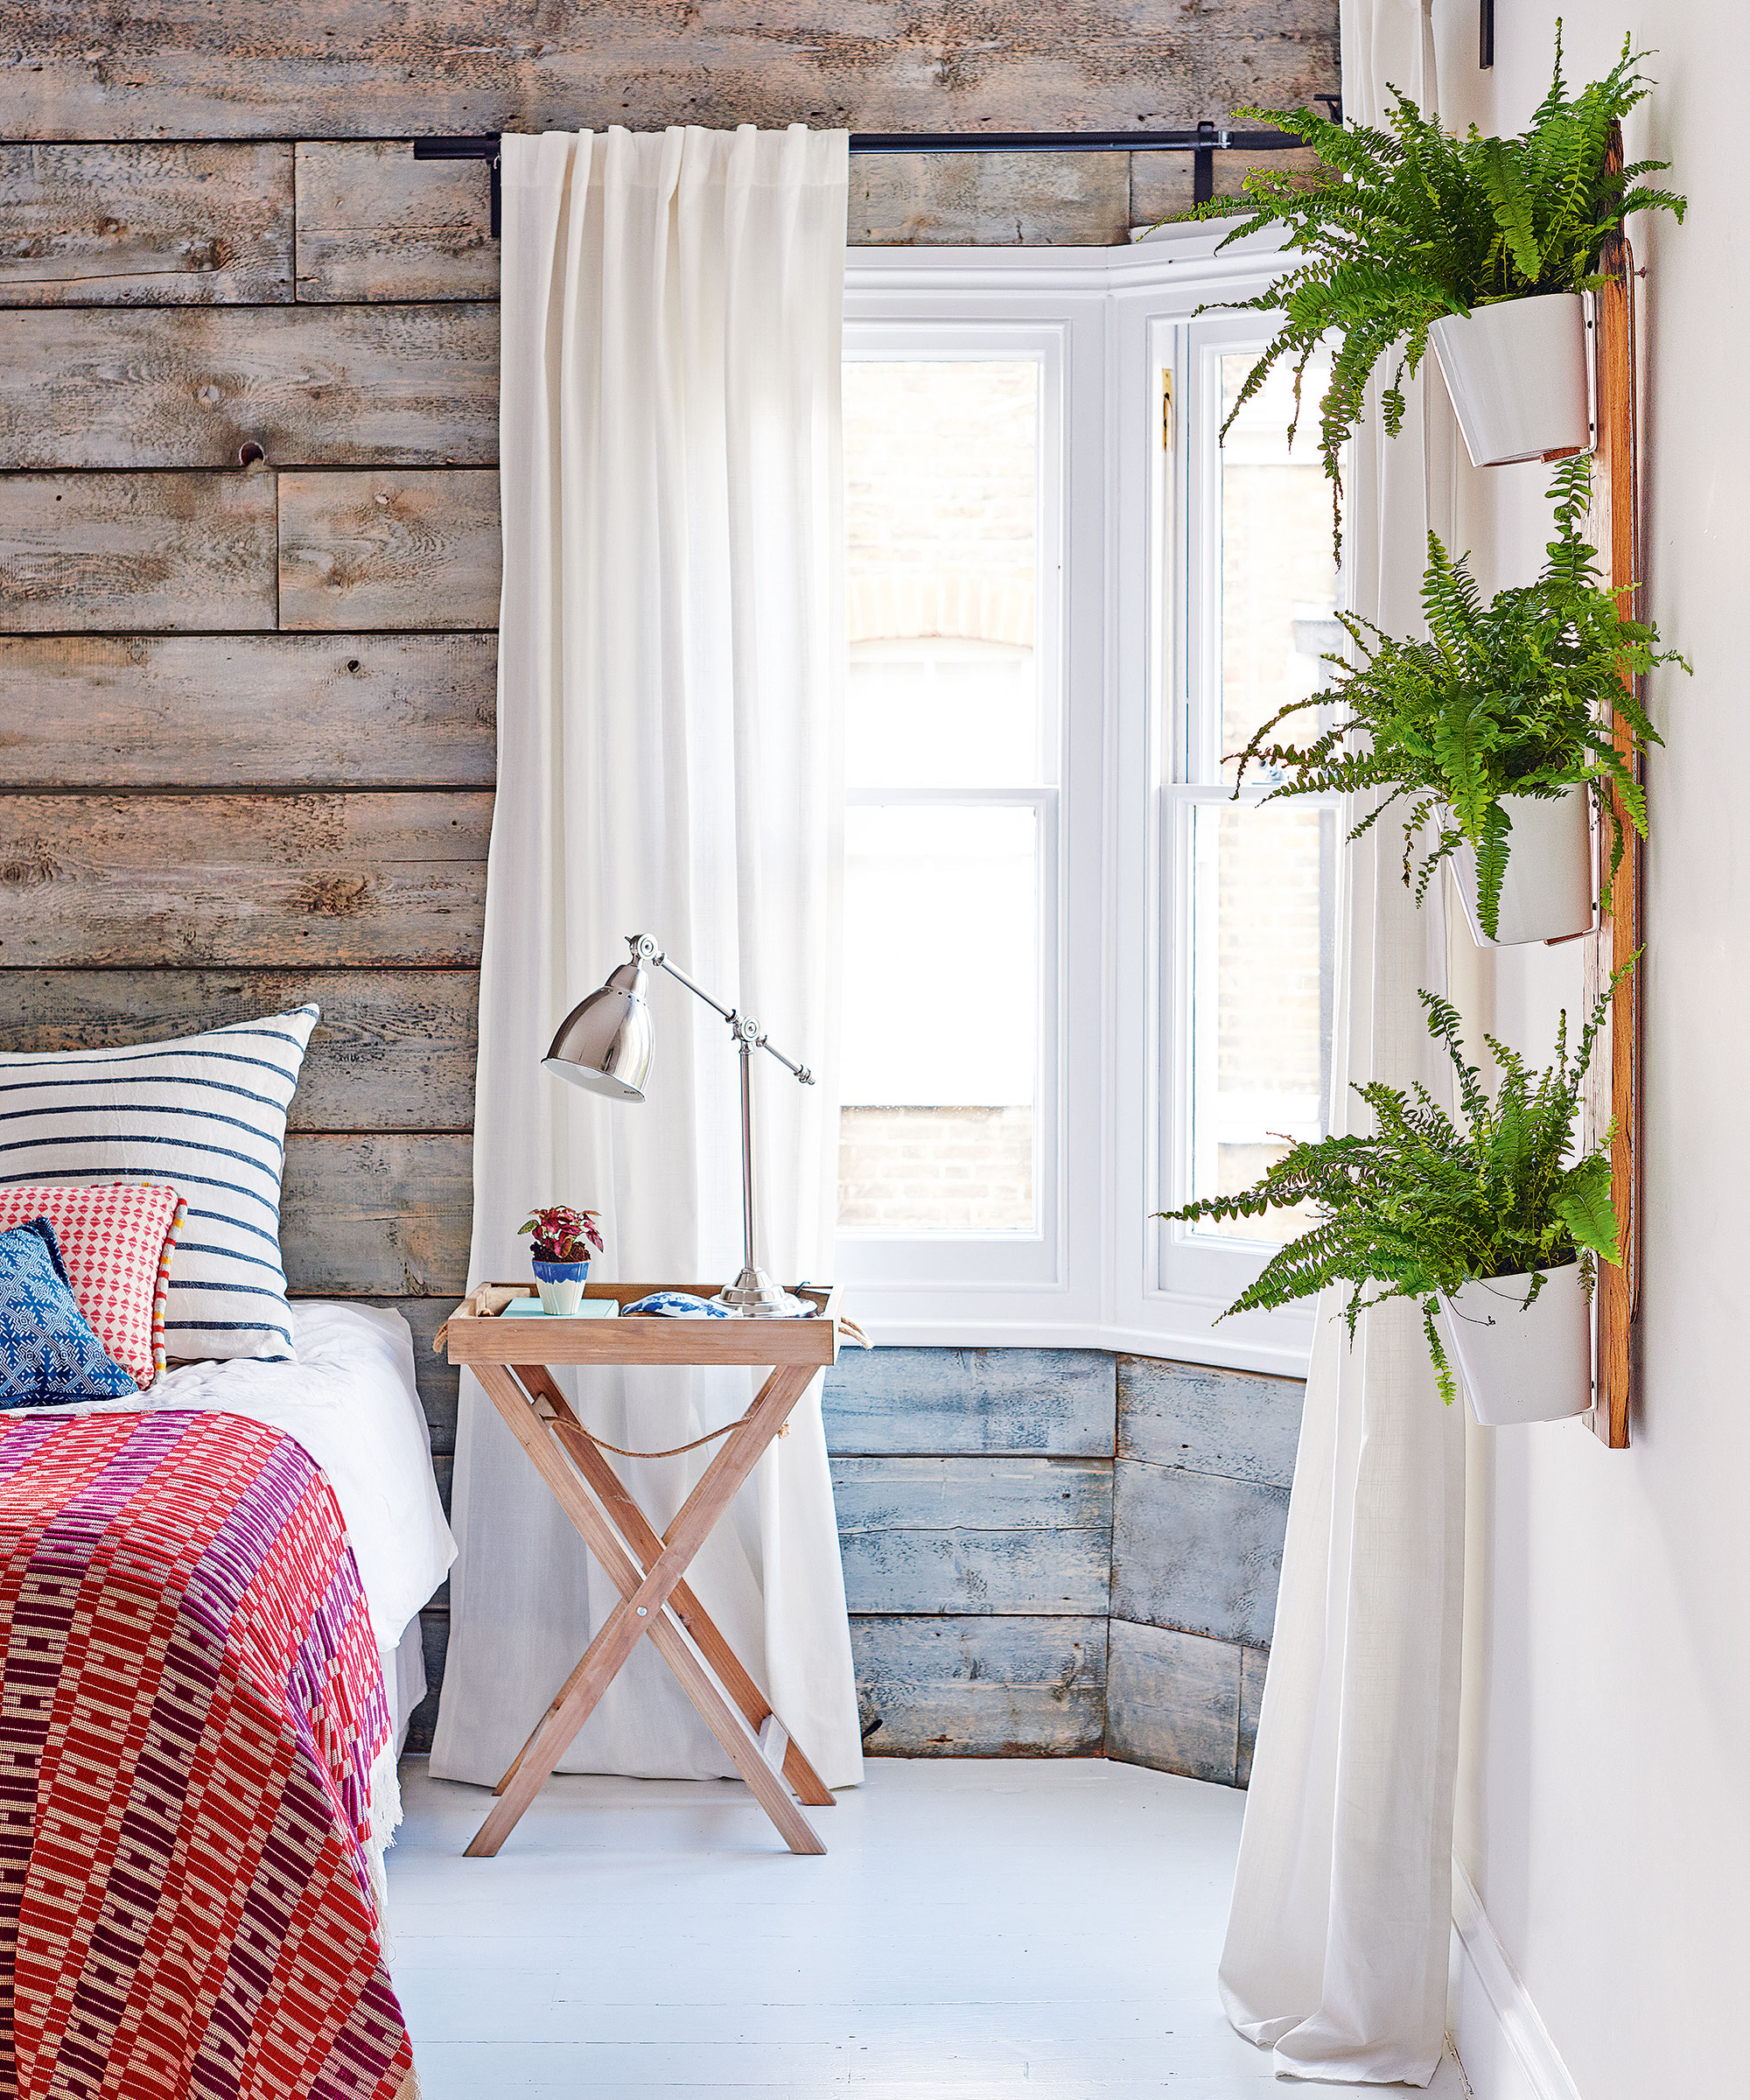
116, 1241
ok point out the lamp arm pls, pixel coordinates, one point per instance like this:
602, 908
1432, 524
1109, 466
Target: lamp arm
752, 1293
747, 1031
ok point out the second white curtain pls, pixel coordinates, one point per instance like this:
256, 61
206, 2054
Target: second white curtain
1337, 1941
670, 651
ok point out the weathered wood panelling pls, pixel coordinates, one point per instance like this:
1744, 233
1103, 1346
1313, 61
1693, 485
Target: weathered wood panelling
188, 387
414, 711
990, 200
1160, 183
1197, 1551
1060, 1402
434, 1628
1206, 1458
389, 549
349, 68
145, 225
137, 553
981, 1687
377, 1216
1237, 1422
1254, 1663
1017, 1536
394, 1050
263, 879
374, 223
1172, 1702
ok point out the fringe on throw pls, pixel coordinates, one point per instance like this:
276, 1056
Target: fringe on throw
385, 1822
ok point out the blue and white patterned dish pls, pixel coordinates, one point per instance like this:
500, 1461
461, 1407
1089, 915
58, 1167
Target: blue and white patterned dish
675, 1304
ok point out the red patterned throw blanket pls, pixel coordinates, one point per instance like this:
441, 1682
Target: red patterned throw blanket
192, 1704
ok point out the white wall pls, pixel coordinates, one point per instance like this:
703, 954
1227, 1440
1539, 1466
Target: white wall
1602, 1810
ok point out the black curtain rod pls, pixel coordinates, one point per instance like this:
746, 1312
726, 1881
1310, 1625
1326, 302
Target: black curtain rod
1203, 144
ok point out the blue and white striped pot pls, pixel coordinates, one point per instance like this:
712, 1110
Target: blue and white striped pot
560, 1285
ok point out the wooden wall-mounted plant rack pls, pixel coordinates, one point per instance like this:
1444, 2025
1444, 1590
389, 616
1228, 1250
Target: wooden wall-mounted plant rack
1615, 1099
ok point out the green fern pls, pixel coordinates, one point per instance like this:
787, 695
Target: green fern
1403, 225
1506, 698
1425, 1204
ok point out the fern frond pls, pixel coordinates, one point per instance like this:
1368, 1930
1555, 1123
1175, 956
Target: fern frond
1510, 697
1425, 1203
1582, 1202
1505, 188
1403, 221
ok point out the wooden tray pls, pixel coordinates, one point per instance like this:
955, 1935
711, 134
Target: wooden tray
477, 1332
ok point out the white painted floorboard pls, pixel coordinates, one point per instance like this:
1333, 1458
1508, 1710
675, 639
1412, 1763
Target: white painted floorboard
1047, 1928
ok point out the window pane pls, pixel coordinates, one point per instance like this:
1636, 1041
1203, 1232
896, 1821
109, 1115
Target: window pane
1261, 996
1278, 581
942, 509
940, 711
940, 1052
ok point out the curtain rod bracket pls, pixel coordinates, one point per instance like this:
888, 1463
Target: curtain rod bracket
480, 146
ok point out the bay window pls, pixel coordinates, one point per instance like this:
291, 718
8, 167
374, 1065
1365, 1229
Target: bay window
1082, 982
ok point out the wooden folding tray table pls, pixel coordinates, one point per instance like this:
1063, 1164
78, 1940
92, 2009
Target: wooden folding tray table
511, 1359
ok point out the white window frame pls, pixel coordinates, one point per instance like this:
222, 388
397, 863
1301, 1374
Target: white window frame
937, 1263
1189, 1260
1099, 1272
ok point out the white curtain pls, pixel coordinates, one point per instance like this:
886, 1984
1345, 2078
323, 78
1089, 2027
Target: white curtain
1337, 1941
670, 646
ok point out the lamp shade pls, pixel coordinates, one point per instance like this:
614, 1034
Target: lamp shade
606, 1043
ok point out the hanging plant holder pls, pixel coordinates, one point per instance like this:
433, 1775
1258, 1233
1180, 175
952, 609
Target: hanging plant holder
1522, 1362
1517, 372
1467, 1215
1546, 892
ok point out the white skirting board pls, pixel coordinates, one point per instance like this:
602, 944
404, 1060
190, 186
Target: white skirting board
1500, 2039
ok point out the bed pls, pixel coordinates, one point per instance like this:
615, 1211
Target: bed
210, 1595
351, 1403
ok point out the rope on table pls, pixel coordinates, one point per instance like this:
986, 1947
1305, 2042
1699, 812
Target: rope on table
710, 1437
846, 1327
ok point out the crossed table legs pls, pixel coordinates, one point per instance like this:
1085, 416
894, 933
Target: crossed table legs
647, 1570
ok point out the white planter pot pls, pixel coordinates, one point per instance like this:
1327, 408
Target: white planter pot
1546, 891
1522, 1366
1517, 376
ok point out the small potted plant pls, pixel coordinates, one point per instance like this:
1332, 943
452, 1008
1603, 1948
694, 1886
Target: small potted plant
1483, 1224
562, 1243
1493, 732
1481, 245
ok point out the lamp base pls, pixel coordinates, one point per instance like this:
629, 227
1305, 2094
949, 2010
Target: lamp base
754, 1296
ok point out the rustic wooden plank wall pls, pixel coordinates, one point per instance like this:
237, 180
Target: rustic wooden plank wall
249, 555
1204, 1461
1060, 1551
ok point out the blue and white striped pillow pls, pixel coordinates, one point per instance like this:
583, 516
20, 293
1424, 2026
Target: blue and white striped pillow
207, 1113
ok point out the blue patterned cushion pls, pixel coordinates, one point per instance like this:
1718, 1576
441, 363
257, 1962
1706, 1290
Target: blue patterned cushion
48, 1353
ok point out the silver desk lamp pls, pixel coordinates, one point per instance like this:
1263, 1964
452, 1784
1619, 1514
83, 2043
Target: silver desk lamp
605, 1044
